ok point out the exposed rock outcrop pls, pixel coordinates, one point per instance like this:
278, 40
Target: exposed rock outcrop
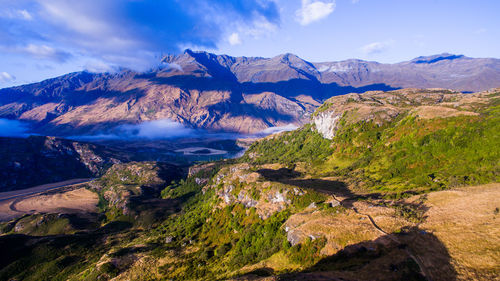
326, 123
239, 184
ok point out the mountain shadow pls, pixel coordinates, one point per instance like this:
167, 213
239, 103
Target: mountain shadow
317, 90
292, 177
410, 255
288, 88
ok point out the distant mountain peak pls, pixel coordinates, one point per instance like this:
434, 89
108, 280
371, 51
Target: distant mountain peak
287, 56
436, 58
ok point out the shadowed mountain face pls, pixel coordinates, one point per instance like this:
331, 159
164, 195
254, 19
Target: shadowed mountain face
40, 160
223, 93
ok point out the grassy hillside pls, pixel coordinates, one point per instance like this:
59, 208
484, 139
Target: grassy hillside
397, 155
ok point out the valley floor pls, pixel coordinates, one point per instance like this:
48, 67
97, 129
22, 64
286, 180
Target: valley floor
65, 197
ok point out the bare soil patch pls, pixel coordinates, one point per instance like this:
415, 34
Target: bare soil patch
79, 200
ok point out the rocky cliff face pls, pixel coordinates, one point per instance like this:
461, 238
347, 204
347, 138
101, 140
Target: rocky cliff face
326, 124
223, 93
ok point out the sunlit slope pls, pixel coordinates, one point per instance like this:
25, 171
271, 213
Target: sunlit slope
396, 141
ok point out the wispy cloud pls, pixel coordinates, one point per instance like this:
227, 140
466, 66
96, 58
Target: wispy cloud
312, 11
42, 52
234, 39
157, 129
376, 47
46, 52
168, 129
99, 66
6, 77
172, 66
12, 128
278, 129
22, 14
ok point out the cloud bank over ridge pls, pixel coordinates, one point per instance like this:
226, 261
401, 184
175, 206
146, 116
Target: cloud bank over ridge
13, 128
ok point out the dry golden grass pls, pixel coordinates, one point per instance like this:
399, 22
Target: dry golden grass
78, 200
385, 217
340, 229
464, 220
278, 262
429, 112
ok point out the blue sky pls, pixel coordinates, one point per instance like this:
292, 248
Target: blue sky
46, 38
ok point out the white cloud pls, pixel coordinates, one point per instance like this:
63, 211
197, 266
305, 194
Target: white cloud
76, 16
16, 14
354, 1
279, 129
234, 39
24, 14
260, 27
38, 51
172, 66
12, 128
312, 11
116, 31
128, 33
155, 129
45, 52
6, 77
98, 66
376, 47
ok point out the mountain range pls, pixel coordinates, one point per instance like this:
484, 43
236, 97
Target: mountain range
223, 93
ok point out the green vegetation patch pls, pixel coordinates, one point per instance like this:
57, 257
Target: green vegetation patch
301, 145
404, 154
